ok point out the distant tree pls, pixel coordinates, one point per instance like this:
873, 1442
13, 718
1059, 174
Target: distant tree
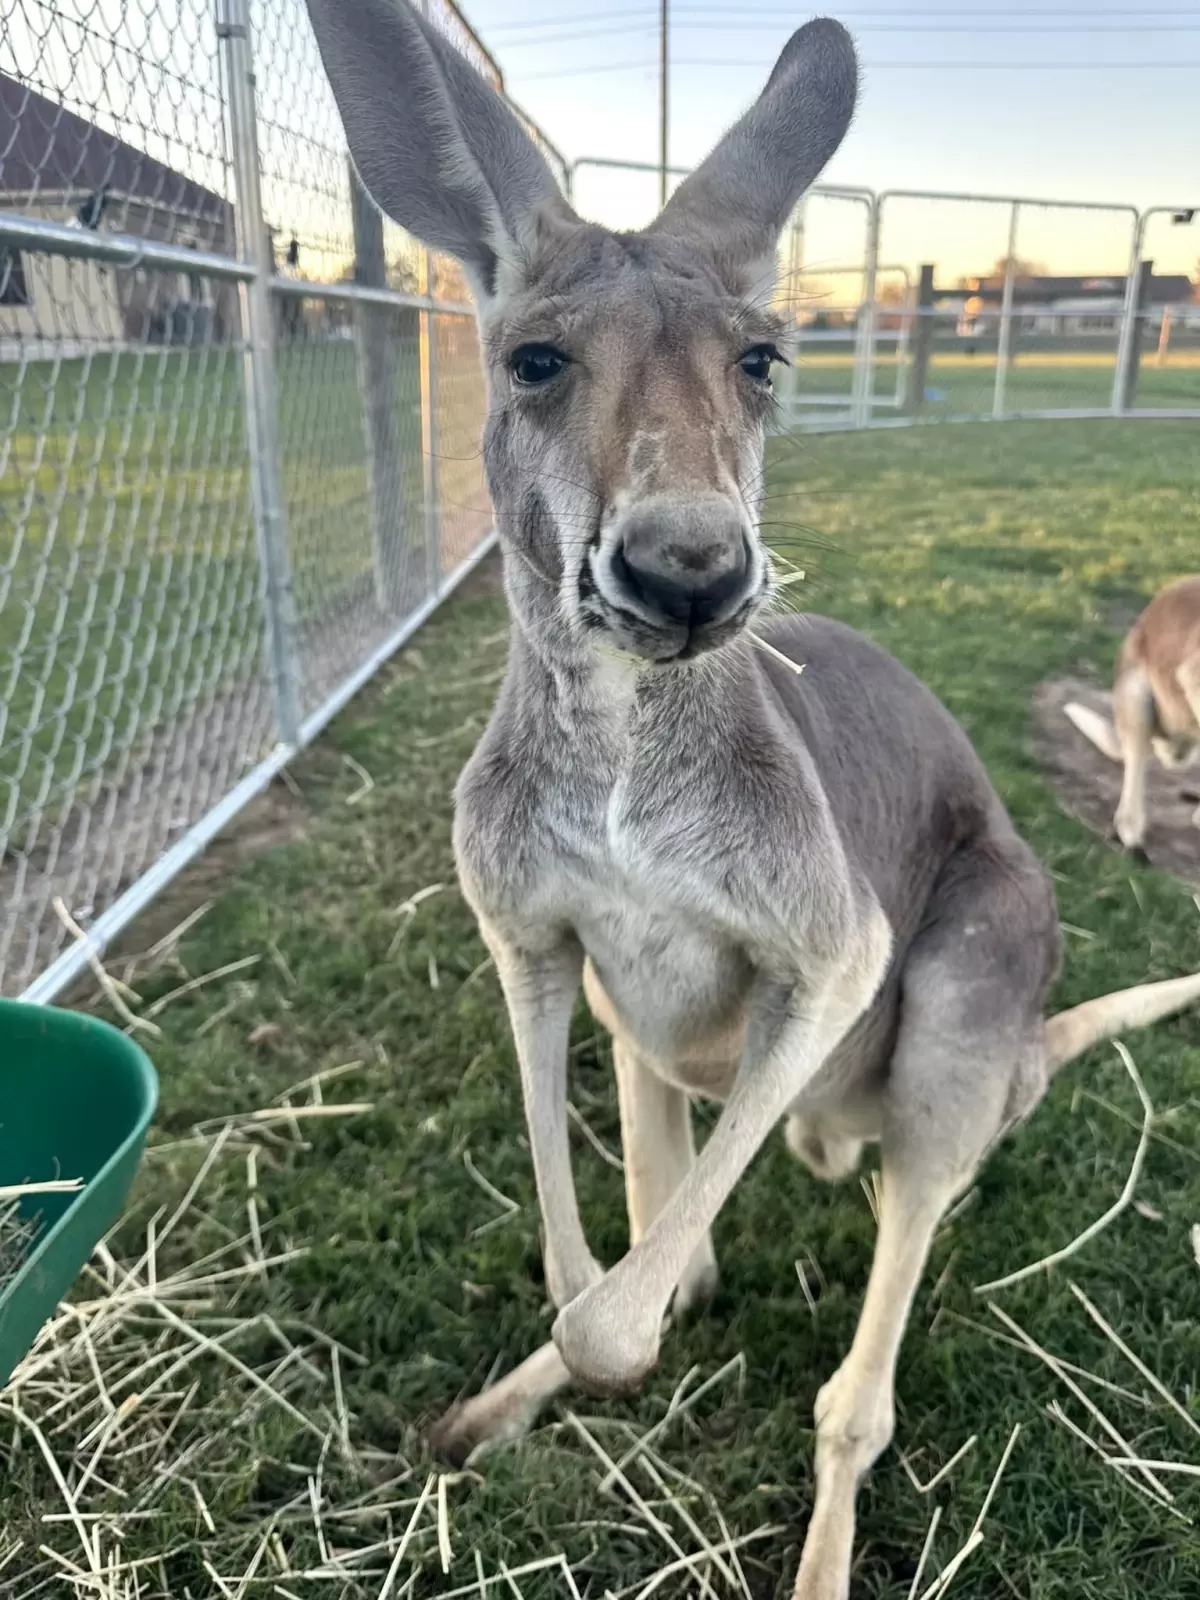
994, 277
1025, 269
893, 293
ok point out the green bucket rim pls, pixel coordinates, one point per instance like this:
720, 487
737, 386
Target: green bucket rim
146, 1086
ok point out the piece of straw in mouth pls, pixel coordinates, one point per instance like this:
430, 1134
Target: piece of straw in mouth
760, 643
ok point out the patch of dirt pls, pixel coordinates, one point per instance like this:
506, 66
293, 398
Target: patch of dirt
1089, 785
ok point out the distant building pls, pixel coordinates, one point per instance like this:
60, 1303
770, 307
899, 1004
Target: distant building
58, 166
1074, 306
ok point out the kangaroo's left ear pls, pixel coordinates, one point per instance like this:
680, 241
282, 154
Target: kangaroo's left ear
435, 146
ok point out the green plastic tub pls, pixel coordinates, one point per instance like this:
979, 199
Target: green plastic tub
76, 1097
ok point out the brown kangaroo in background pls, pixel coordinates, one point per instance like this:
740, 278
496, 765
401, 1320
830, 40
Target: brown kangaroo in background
1156, 701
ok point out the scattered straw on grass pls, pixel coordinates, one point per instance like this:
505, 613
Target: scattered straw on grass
1187, 1468
1114, 1211
365, 781
872, 1188
445, 1549
943, 1472
1085, 1400
997, 1337
953, 1567
510, 1208
678, 1408
1056, 1413
925, 1549
1135, 1361
995, 1483
139, 1393
390, 1580
21, 1191
165, 949
200, 982
692, 1563
113, 987
593, 1138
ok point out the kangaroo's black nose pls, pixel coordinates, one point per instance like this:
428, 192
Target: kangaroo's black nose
683, 576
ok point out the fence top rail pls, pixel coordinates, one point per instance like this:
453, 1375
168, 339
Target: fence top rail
1184, 212
816, 270
367, 294
119, 249
1006, 200
126, 250
847, 191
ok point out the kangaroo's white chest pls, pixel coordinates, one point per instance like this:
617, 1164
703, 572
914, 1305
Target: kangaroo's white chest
663, 973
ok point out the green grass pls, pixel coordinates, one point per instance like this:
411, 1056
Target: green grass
986, 558
1038, 380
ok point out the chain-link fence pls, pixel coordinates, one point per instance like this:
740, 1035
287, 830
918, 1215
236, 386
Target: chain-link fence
239, 419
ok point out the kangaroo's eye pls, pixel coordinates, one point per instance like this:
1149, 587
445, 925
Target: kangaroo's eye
756, 362
533, 364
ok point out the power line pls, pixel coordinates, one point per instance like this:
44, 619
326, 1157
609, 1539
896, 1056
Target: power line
879, 66
783, 17
1020, 29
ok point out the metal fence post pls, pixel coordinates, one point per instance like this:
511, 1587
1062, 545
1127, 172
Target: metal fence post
429, 428
1127, 342
917, 376
378, 379
795, 266
1005, 342
260, 398
429, 421
864, 348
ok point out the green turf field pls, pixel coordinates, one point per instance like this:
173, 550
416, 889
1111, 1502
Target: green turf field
986, 558
961, 384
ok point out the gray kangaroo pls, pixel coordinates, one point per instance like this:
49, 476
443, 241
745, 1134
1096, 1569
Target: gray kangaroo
795, 894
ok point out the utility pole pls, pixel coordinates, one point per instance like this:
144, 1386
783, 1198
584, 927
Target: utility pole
662, 104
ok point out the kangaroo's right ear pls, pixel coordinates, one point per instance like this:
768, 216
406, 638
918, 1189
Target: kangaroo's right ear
435, 146
737, 202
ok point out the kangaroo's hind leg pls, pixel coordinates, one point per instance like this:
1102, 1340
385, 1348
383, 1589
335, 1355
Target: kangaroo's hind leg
1133, 705
1189, 681
969, 1057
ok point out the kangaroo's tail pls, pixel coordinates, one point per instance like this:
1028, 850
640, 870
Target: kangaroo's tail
1071, 1032
1095, 728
